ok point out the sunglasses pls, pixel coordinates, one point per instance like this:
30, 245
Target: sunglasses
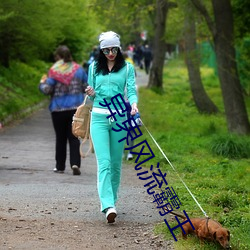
106, 51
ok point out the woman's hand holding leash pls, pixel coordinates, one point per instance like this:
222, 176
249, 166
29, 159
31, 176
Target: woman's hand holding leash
134, 109
90, 91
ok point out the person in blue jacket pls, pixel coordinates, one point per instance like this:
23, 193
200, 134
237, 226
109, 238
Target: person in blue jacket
109, 76
65, 83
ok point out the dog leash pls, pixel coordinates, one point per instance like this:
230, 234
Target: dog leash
175, 170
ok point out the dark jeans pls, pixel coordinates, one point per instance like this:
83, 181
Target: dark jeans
147, 65
62, 122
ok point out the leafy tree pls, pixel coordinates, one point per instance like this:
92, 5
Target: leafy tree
140, 15
221, 28
28, 33
175, 24
156, 72
242, 33
126, 17
201, 99
241, 18
24, 32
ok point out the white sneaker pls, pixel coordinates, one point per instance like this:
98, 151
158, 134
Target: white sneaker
129, 156
111, 214
58, 171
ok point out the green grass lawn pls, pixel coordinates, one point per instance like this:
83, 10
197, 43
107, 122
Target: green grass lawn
214, 164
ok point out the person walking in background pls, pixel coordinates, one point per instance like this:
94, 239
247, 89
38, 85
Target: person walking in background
65, 84
93, 54
138, 52
109, 76
128, 59
147, 54
92, 57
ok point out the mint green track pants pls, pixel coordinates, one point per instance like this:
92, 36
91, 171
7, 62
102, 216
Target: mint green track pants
108, 153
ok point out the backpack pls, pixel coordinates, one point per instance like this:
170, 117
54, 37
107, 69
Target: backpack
81, 126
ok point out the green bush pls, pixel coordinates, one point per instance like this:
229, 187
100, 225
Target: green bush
230, 146
19, 88
224, 200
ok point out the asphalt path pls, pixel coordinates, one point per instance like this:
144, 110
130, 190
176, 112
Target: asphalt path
27, 151
29, 189
26, 177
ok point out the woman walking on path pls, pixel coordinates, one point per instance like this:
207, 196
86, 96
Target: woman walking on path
109, 76
65, 83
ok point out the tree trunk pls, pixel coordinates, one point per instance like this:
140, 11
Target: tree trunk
233, 97
159, 46
223, 38
201, 99
4, 51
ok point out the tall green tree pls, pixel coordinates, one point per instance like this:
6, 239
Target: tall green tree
25, 31
159, 45
126, 17
202, 101
242, 33
241, 17
221, 27
28, 33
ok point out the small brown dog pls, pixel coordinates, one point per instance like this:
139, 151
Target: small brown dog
206, 229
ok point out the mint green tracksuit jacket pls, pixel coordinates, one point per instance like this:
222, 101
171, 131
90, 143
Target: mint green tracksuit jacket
108, 150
